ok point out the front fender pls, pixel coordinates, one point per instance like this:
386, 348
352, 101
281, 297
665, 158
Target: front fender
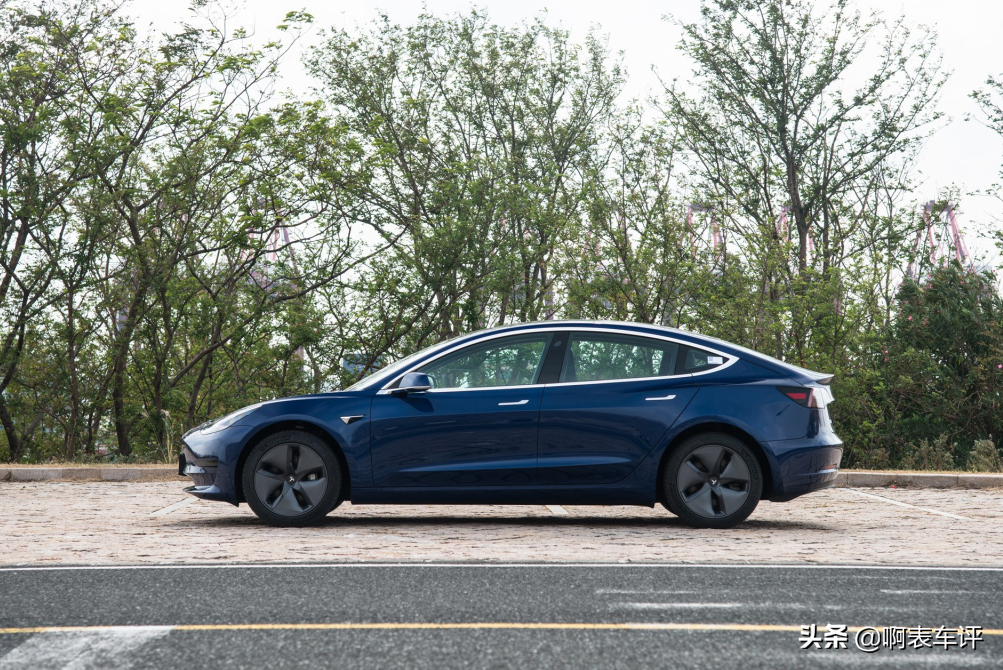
324, 412
320, 412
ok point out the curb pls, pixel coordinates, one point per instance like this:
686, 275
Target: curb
166, 473
918, 480
169, 473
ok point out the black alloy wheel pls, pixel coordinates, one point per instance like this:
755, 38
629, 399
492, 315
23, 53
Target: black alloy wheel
712, 480
292, 478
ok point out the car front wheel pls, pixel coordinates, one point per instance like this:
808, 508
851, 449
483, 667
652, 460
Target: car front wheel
292, 478
712, 480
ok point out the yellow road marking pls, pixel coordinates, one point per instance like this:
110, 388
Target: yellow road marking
738, 627
493, 625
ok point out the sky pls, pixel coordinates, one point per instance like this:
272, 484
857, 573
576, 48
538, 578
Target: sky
962, 154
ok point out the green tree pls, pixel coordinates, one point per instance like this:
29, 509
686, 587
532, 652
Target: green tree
48, 55
632, 256
783, 126
934, 378
477, 141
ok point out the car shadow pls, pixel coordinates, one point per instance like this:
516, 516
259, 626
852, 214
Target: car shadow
369, 521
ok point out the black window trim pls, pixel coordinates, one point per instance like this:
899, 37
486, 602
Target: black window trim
613, 337
730, 359
681, 357
548, 337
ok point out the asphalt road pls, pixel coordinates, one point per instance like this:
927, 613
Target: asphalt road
441, 616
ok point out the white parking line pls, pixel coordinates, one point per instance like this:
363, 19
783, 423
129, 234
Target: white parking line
557, 510
674, 606
603, 592
906, 592
506, 566
416, 625
902, 504
176, 506
104, 648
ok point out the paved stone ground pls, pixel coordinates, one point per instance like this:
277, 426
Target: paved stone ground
106, 523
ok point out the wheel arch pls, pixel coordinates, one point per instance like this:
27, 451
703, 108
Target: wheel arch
293, 424
716, 427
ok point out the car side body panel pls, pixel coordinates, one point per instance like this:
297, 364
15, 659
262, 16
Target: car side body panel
598, 443
472, 437
744, 398
599, 432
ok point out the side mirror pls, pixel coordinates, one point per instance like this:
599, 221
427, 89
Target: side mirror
412, 383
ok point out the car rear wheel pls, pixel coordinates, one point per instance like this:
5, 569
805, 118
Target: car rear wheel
292, 478
712, 480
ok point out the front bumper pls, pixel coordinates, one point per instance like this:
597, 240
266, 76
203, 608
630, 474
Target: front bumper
201, 470
211, 462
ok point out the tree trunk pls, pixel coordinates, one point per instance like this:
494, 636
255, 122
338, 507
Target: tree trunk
122, 423
193, 396
70, 446
118, 406
159, 420
13, 441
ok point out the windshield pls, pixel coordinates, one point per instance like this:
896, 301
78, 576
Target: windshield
386, 373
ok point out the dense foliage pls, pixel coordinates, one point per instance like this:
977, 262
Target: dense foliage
178, 241
928, 388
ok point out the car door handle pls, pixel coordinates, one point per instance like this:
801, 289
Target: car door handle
667, 397
516, 402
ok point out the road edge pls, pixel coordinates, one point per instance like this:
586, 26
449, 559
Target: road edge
165, 473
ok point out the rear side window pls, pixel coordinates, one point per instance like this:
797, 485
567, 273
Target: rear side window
693, 360
597, 357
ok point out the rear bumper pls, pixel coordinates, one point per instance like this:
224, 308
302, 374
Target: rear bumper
803, 466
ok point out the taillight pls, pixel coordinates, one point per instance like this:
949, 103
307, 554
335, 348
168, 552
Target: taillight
804, 396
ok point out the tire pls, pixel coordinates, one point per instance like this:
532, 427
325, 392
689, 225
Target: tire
292, 478
712, 480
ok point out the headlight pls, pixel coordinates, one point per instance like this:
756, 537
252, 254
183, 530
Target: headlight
229, 420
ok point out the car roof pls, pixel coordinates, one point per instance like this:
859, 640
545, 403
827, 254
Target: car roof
787, 369
770, 363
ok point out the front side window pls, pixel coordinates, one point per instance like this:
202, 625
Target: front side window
512, 361
597, 357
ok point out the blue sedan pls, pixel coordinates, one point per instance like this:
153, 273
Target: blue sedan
576, 412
